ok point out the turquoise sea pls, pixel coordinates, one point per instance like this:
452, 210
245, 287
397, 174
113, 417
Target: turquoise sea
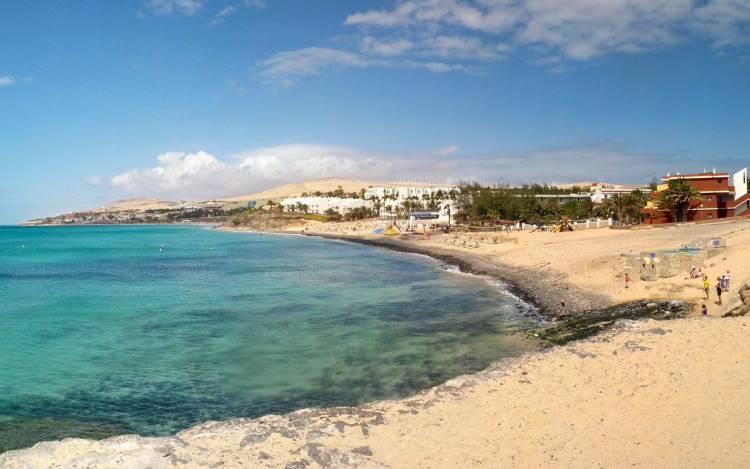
107, 330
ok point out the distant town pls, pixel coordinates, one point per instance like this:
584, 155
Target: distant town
705, 196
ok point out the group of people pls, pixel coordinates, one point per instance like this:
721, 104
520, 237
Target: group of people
722, 285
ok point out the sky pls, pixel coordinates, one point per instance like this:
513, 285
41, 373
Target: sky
195, 99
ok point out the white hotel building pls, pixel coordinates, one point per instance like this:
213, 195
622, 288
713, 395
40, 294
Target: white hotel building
601, 191
391, 197
320, 205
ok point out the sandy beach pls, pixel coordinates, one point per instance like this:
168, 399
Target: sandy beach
584, 268
642, 394
646, 394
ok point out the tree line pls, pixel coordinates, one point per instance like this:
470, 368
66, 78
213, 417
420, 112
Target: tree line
481, 204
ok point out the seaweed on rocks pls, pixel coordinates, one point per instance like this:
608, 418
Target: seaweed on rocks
592, 322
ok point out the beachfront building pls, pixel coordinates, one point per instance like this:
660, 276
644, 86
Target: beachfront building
724, 195
601, 191
444, 214
563, 198
406, 192
405, 199
320, 205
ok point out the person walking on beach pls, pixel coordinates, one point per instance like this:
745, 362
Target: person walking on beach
706, 285
627, 280
704, 310
726, 282
718, 288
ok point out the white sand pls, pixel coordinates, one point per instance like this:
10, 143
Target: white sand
652, 394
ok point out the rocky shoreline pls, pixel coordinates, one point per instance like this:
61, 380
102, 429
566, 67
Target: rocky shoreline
584, 315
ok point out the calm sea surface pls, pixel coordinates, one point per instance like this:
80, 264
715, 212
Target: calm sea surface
152, 329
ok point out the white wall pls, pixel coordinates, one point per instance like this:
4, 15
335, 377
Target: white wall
740, 183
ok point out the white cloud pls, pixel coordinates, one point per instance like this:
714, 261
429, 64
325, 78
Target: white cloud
726, 21
7, 81
584, 29
485, 15
287, 67
200, 175
255, 3
440, 67
386, 48
572, 30
170, 7
309, 161
461, 47
176, 172
447, 151
222, 15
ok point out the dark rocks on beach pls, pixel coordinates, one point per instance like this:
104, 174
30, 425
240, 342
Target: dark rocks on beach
319, 454
364, 450
741, 310
744, 307
745, 294
297, 465
254, 438
592, 322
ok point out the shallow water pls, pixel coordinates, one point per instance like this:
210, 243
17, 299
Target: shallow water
152, 329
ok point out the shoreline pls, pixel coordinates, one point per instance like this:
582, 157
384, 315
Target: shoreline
323, 437
612, 383
543, 291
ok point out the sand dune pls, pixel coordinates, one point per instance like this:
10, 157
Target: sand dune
144, 203
323, 185
297, 188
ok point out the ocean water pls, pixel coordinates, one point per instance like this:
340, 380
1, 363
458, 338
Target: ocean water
151, 329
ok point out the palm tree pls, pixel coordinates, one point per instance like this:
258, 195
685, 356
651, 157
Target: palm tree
638, 200
552, 208
376, 203
621, 204
604, 209
678, 196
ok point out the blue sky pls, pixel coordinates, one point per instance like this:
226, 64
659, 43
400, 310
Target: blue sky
204, 98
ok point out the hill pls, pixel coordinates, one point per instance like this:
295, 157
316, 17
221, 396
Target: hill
137, 204
297, 188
